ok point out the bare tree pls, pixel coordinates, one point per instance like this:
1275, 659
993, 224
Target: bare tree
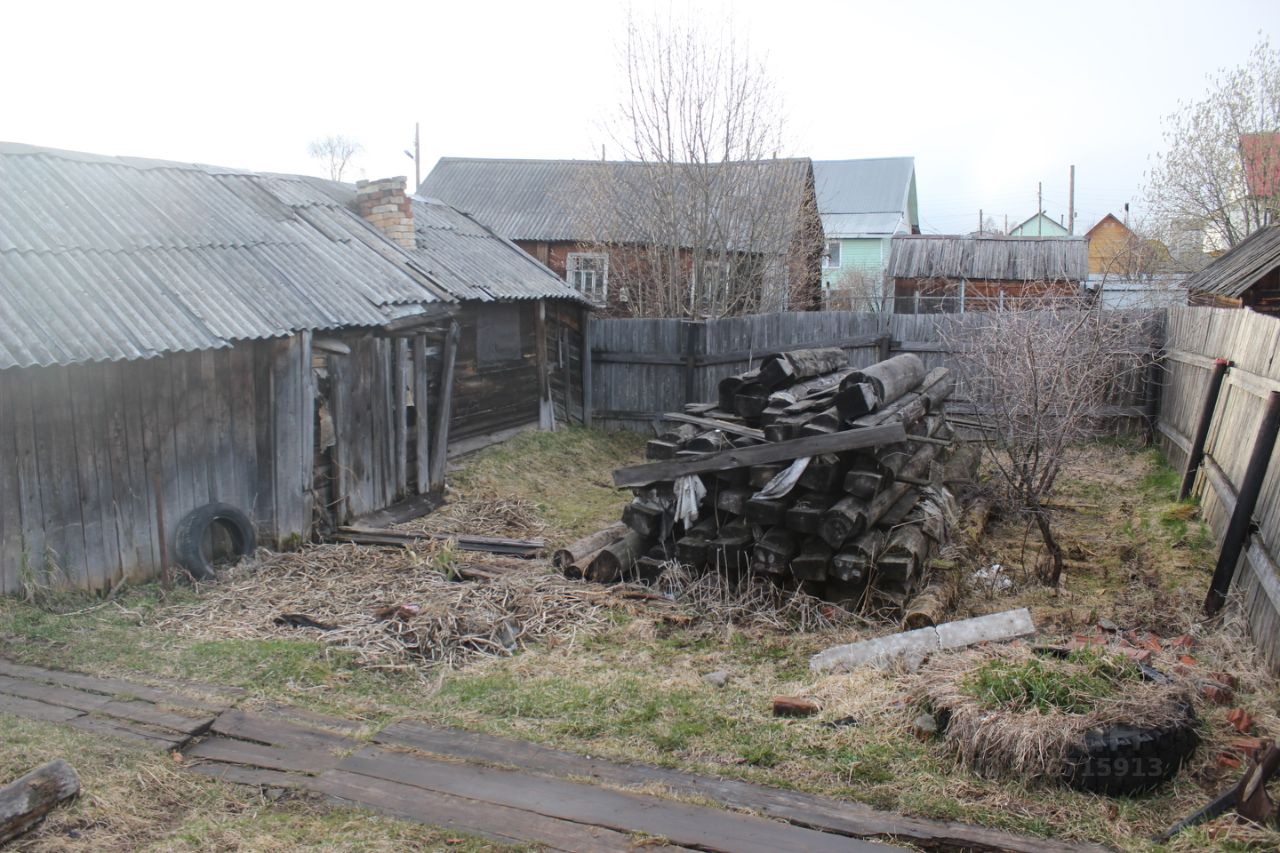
702, 219
860, 289
1201, 178
335, 152
1038, 371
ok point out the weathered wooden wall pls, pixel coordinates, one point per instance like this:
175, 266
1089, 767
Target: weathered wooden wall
81, 447
642, 368
1194, 338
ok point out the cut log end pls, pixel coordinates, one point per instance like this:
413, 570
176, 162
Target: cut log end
27, 800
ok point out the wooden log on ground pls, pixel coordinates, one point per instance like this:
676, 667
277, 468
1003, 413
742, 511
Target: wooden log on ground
813, 563
712, 441
783, 451
656, 449
734, 500
773, 552
852, 564
618, 558
851, 517
824, 473
806, 513
785, 368
969, 536
904, 556
936, 387
29, 798
728, 388
643, 518
731, 549
716, 423
962, 466
870, 388
694, 548
927, 609
767, 511
577, 570
679, 433
377, 536
845, 519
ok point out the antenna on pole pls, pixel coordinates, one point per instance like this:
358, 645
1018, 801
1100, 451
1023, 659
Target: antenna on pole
417, 157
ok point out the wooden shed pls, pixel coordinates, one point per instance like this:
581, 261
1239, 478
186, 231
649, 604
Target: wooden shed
1246, 276
944, 273
175, 335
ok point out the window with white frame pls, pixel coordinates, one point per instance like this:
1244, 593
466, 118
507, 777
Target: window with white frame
588, 274
831, 257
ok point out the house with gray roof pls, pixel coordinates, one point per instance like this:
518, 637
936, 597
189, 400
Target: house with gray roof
193, 358
603, 226
863, 204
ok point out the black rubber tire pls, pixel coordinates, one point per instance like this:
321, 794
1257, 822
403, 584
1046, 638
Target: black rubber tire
1123, 760
192, 530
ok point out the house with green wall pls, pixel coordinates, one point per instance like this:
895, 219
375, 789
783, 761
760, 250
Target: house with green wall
863, 203
1039, 225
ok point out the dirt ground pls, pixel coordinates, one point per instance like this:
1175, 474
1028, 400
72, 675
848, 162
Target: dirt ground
610, 673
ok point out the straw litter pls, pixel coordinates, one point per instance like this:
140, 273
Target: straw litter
411, 608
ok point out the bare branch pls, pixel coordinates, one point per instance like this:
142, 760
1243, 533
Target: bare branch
335, 152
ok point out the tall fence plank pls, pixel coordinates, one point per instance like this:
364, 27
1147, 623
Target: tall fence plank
1194, 337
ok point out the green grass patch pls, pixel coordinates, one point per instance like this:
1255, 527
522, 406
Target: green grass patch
1074, 684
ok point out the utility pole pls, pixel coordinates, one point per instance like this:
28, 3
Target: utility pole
979, 222
1006, 223
1071, 203
1039, 208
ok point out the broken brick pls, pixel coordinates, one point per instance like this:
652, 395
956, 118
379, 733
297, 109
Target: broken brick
1187, 660
1248, 746
1225, 678
1228, 761
794, 706
1240, 719
1182, 642
1215, 692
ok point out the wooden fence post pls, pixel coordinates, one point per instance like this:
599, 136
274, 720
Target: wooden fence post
546, 406
692, 341
422, 414
440, 452
1246, 500
1196, 454
586, 367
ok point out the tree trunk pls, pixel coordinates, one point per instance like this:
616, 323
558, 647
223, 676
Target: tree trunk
25, 801
1055, 550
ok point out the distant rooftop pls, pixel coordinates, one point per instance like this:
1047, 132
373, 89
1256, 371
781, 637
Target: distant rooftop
868, 197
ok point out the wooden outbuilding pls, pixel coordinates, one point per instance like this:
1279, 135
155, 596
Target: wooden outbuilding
946, 273
1246, 276
175, 336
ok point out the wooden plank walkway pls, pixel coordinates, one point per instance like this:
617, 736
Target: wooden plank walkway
160, 718
506, 790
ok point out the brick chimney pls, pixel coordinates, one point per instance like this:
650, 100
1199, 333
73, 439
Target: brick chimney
385, 204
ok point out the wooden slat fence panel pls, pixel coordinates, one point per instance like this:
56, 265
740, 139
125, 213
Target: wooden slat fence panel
1194, 337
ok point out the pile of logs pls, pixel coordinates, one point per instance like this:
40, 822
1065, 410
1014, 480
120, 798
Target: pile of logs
816, 475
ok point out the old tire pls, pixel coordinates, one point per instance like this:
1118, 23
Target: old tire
193, 530
1122, 760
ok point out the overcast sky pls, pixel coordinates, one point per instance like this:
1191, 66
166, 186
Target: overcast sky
988, 97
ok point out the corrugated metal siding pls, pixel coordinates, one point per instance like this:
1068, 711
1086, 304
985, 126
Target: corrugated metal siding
548, 200
472, 262
997, 258
110, 258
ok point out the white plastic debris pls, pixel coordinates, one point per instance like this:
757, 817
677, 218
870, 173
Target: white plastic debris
689, 492
992, 578
785, 480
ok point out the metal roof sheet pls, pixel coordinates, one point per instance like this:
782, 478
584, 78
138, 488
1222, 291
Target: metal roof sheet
862, 224
551, 200
1239, 269
106, 258
472, 262
995, 258
873, 185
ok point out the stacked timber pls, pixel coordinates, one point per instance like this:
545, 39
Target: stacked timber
806, 471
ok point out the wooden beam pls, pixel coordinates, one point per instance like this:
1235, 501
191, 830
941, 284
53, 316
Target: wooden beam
546, 407
400, 413
422, 415
25, 801
588, 400
715, 423
440, 450
782, 451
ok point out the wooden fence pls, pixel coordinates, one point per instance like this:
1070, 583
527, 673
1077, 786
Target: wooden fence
641, 368
1194, 338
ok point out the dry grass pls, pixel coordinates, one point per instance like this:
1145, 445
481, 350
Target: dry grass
485, 513
396, 609
1017, 740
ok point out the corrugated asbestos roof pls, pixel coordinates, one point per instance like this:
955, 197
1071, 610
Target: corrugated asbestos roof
107, 258
870, 197
999, 258
552, 200
1240, 268
472, 262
